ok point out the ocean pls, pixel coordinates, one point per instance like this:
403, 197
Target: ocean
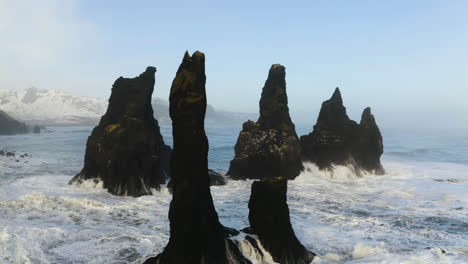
416, 213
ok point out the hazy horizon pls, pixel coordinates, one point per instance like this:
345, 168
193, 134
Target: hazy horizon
407, 61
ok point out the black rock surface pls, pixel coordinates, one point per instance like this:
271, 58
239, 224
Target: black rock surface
126, 150
269, 220
269, 147
196, 234
338, 140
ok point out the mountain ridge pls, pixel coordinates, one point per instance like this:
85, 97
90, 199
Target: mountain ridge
56, 107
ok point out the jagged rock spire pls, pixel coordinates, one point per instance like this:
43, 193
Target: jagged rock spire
337, 96
274, 111
196, 235
269, 150
337, 140
126, 150
269, 147
370, 146
333, 112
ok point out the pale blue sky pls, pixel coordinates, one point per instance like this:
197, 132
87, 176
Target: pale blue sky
408, 60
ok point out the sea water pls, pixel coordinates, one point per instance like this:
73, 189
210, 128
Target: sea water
416, 213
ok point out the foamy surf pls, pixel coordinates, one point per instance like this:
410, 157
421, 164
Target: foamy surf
415, 214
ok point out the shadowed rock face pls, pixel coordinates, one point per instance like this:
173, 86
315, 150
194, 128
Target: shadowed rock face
370, 144
269, 147
269, 220
126, 150
10, 126
269, 150
338, 140
197, 236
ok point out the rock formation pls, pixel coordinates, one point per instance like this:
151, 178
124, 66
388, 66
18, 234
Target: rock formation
196, 234
269, 147
269, 220
370, 146
126, 150
338, 140
216, 179
10, 126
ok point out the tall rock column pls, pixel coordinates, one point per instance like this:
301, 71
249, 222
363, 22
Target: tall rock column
370, 146
269, 220
196, 234
269, 147
126, 150
269, 150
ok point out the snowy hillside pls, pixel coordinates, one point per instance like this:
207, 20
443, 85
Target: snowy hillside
52, 107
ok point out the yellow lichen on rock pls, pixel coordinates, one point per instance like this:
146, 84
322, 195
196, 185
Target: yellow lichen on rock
112, 127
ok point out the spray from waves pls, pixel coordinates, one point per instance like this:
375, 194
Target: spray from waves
252, 249
404, 216
337, 174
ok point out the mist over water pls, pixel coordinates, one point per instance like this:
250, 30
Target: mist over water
416, 213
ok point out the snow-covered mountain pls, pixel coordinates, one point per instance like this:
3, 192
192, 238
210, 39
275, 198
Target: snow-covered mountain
53, 107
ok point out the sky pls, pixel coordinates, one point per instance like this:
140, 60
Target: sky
407, 60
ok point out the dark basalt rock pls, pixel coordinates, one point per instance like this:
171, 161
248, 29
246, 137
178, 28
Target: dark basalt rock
216, 179
370, 146
338, 140
196, 234
10, 126
126, 150
269, 147
269, 220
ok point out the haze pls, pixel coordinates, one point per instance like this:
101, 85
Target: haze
406, 59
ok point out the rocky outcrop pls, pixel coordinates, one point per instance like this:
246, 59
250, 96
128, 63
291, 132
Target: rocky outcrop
126, 150
338, 140
269, 150
216, 179
10, 126
370, 146
269, 220
269, 147
196, 234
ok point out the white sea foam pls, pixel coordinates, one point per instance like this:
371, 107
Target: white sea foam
417, 213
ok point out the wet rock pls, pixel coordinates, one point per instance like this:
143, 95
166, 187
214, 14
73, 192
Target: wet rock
126, 150
269, 220
216, 179
11, 126
370, 146
338, 140
196, 234
269, 147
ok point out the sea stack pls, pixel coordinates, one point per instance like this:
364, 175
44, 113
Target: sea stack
269, 147
11, 126
269, 150
338, 140
196, 234
370, 146
126, 150
269, 220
